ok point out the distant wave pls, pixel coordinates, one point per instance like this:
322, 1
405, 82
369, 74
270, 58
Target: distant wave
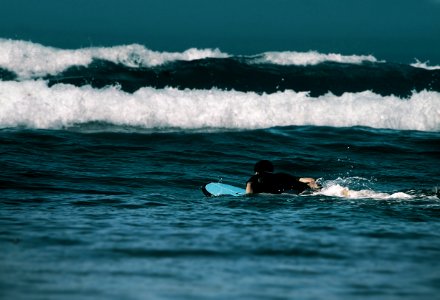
424, 65
35, 105
29, 60
133, 67
311, 58
32, 60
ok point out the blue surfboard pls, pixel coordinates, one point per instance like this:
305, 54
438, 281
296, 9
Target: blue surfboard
221, 189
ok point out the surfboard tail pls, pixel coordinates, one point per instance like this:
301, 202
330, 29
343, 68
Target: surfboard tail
214, 189
205, 191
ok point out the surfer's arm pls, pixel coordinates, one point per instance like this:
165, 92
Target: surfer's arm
310, 182
249, 189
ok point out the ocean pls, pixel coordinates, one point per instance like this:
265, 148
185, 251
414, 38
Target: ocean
104, 151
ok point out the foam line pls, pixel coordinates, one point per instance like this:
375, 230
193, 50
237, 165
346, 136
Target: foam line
30, 60
424, 65
33, 104
311, 58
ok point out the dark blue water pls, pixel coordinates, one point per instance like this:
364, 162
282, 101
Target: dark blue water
241, 75
103, 152
120, 215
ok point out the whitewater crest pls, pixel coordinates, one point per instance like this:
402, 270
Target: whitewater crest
424, 65
311, 58
30, 60
34, 104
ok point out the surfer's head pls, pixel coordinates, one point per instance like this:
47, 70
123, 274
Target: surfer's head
263, 166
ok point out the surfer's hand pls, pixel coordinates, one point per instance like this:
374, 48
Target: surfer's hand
310, 182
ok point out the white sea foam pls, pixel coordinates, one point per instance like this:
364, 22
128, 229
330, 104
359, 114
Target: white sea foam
424, 65
28, 59
311, 58
34, 104
357, 188
341, 191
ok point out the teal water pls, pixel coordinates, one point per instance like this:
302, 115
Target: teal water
116, 212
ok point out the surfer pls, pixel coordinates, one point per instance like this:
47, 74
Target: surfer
266, 181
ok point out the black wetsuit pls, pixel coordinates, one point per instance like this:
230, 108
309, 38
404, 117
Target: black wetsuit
276, 183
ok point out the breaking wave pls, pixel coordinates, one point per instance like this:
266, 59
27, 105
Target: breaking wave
34, 104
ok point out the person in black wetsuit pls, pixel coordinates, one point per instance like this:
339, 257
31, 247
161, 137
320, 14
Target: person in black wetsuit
266, 181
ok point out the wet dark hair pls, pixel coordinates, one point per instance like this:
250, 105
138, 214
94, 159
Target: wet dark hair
263, 166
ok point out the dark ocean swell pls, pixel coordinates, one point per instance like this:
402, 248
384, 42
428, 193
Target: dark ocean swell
241, 74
